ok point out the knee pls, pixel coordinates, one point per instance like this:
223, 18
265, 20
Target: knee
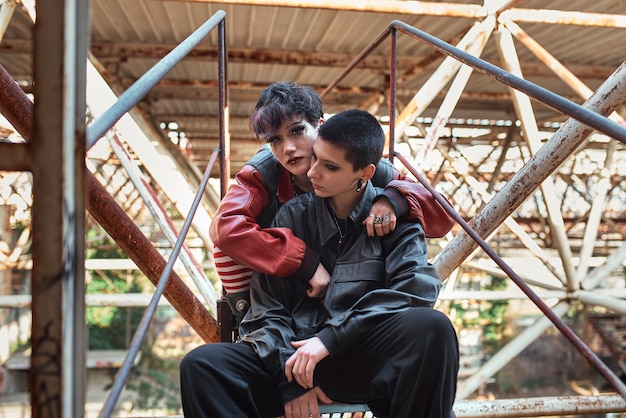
442, 323
434, 323
189, 361
442, 326
443, 337
197, 357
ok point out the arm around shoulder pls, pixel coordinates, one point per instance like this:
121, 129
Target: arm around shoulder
423, 207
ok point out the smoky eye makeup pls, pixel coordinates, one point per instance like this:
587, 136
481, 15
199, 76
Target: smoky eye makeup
298, 130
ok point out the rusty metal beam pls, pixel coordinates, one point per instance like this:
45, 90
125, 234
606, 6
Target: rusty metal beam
112, 52
565, 141
18, 109
57, 281
375, 6
115, 52
524, 110
192, 173
562, 17
204, 89
139, 249
539, 407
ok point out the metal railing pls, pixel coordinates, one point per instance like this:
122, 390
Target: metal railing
100, 126
18, 109
593, 119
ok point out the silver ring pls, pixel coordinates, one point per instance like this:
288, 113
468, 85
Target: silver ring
371, 215
386, 218
378, 219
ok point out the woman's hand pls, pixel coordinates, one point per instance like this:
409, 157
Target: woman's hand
307, 405
301, 364
382, 218
319, 282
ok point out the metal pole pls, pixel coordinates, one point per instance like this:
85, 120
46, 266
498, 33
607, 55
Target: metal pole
562, 17
613, 261
393, 67
144, 324
422, 8
157, 210
591, 357
545, 96
594, 218
453, 95
548, 158
76, 16
224, 111
142, 86
57, 374
610, 302
18, 109
541, 407
524, 110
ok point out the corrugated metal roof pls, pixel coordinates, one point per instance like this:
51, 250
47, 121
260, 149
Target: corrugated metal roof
313, 46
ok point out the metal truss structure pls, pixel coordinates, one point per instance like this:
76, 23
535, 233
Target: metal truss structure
538, 195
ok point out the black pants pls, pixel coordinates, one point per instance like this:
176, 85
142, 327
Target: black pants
404, 368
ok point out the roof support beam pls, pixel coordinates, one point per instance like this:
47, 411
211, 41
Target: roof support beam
57, 373
561, 17
424, 8
508, 352
452, 97
549, 157
109, 53
524, 110
437, 81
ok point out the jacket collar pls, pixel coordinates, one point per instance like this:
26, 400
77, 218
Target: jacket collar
325, 222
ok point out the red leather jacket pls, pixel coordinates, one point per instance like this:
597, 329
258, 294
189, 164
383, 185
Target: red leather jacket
240, 228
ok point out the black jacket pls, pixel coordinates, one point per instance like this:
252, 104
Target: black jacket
371, 279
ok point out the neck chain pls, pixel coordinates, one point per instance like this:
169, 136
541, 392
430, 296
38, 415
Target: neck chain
293, 183
342, 234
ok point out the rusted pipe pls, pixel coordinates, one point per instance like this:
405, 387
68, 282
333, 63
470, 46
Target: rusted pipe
139, 249
547, 97
224, 114
18, 109
422, 8
563, 17
144, 325
142, 86
540, 407
551, 155
14, 103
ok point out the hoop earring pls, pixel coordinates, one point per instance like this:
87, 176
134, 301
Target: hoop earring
359, 185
